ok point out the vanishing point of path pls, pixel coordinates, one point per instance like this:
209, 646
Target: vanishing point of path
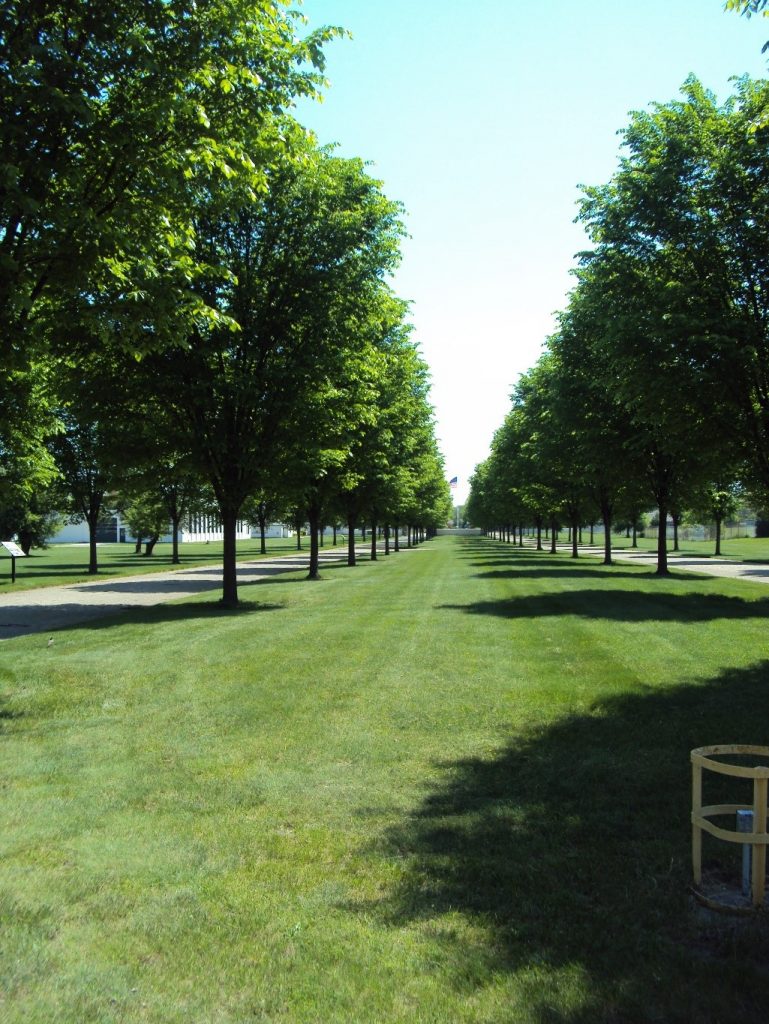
46, 608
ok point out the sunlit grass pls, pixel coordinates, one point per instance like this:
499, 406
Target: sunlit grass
449, 786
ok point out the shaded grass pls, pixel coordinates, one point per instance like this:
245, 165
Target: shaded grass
413, 792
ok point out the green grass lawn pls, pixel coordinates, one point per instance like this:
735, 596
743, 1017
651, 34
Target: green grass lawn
68, 563
449, 786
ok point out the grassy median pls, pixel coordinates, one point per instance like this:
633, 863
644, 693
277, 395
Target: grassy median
448, 786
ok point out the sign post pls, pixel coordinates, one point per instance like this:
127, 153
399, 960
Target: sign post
15, 552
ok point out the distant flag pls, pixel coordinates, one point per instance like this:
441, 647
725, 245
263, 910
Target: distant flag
453, 483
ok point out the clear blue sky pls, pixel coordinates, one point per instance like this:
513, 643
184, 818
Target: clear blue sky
483, 117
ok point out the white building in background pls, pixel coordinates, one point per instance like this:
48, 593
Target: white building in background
198, 528
203, 528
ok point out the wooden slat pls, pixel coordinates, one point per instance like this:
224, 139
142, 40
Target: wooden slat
696, 829
752, 838
759, 851
702, 756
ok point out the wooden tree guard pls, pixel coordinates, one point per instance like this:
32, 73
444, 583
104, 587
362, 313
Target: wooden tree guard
758, 838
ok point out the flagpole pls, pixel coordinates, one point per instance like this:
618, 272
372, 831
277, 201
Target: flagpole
452, 487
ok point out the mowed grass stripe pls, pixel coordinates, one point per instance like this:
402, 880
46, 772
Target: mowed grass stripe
448, 786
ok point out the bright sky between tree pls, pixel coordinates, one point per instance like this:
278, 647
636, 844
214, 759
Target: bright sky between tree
483, 117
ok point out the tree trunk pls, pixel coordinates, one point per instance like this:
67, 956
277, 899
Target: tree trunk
351, 541
334, 534
92, 518
387, 539
539, 533
718, 536
676, 519
662, 542
408, 536
606, 519
591, 535
151, 544
175, 560
313, 514
229, 558
139, 542
373, 541
553, 537
263, 534
396, 542
575, 539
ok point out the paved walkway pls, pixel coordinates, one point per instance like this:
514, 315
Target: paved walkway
755, 572
47, 608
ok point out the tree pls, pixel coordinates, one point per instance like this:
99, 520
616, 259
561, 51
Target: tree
592, 419
677, 268
749, 8
546, 452
430, 505
33, 521
87, 455
717, 502
393, 446
268, 378
264, 508
114, 117
27, 467
147, 519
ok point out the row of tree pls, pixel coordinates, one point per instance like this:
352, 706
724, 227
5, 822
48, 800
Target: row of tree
193, 294
654, 389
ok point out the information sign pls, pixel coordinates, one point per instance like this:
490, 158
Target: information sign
15, 552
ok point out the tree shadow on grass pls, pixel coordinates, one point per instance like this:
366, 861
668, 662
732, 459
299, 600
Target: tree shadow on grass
620, 606
562, 570
539, 559
327, 569
73, 617
570, 850
156, 614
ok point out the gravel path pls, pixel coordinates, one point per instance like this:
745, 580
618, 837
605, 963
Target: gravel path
46, 608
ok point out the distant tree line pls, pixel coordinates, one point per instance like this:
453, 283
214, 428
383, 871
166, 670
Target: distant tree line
194, 307
654, 389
